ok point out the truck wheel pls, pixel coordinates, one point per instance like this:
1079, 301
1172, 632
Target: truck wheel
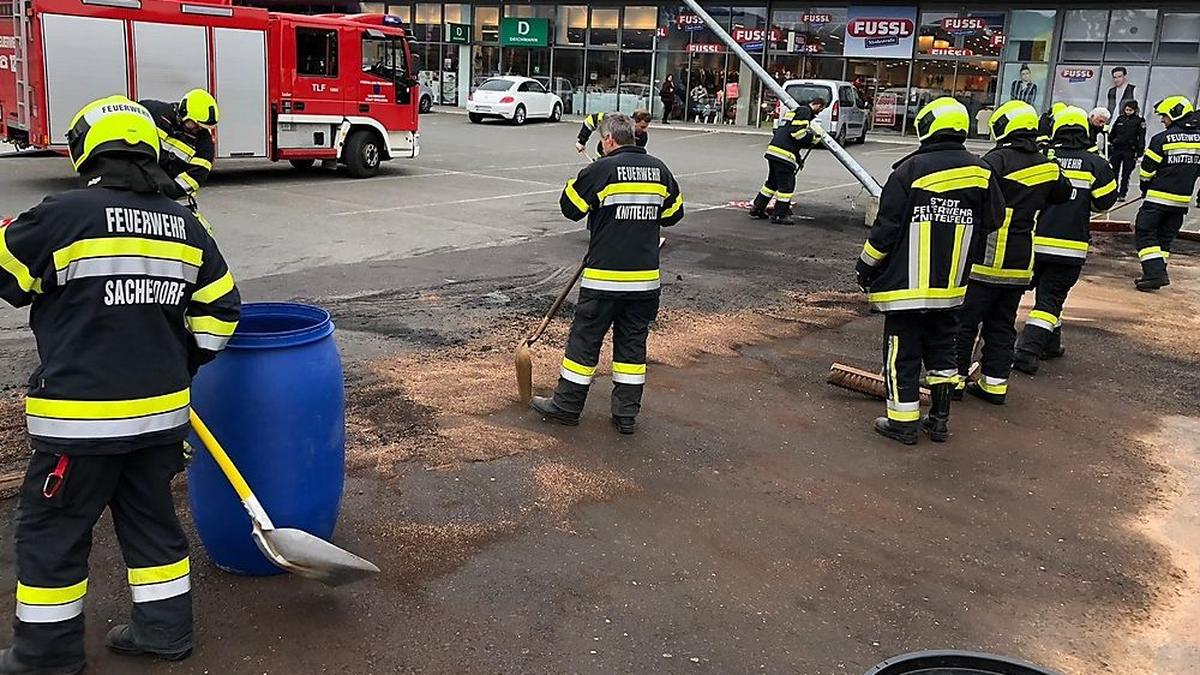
475, 119
426, 104
519, 115
363, 153
302, 164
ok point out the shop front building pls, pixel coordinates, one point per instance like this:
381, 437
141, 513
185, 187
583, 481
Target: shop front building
604, 58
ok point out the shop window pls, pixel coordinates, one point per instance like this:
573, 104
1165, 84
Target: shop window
567, 80
1179, 43
824, 69
635, 90
1083, 35
427, 22
316, 52
602, 82
680, 28
403, 11
639, 28
955, 34
570, 26
427, 63
373, 8
675, 64
817, 30
1169, 81
1026, 82
1078, 85
975, 87
487, 24
1124, 83
1131, 34
603, 28
456, 13
1030, 32
485, 64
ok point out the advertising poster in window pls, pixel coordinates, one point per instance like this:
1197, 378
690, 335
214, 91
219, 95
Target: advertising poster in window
880, 32
1025, 82
1078, 85
1121, 83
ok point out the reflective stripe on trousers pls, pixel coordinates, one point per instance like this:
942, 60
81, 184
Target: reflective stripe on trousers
50, 605
150, 584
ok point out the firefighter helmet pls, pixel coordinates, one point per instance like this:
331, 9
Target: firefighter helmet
1057, 107
111, 124
200, 107
1071, 116
1174, 107
1012, 117
942, 115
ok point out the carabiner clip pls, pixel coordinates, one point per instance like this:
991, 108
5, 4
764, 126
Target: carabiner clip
57, 477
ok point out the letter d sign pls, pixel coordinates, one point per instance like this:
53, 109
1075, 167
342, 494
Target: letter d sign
523, 28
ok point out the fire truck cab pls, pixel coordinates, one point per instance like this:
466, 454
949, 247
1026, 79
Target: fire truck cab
290, 87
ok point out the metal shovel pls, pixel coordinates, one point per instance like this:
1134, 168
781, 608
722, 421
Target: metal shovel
293, 550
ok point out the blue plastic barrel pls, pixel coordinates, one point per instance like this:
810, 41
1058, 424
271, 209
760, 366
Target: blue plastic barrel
274, 399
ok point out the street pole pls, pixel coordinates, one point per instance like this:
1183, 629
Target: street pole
872, 186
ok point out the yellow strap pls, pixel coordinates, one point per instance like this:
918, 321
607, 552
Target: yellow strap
954, 179
573, 195
200, 162
211, 325
34, 595
139, 576
214, 448
1105, 189
629, 368
873, 252
1036, 174
15, 267
1169, 196
1061, 243
633, 188
919, 294
620, 275
106, 410
127, 246
578, 368
1153, 155
674, 207
214, 291
1044, 316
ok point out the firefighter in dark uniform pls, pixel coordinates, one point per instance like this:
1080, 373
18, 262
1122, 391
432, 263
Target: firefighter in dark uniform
130, 296
1060, 242
641, 122
1170, 167
796, 131
185, 134
937, 207
1046, 125
626, 195
1126, 143
1029, 181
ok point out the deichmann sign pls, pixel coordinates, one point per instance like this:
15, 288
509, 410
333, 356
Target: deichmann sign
880, 32
516, 32
458, 33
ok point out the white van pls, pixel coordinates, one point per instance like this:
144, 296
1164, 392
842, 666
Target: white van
845, 114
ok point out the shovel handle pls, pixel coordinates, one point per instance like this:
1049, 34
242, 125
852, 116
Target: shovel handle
557, 304
1118, 207
214, 448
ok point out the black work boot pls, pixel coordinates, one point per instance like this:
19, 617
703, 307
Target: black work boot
1025, 361
977, 391
783, 214
905, 432
11, 665
937, 423
545, 406
1150, 284
120, 640
1054, 348
625, 425
758, 209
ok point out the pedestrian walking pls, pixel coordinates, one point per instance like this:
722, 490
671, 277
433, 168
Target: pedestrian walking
627, 196
1029, 182
938, 206
1168, 179
1126, 143
1062, 238
129, 296
667, 95
798, 129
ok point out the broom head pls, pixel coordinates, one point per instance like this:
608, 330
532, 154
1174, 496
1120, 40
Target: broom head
523, 361
871, 384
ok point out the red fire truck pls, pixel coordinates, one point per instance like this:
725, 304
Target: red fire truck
290, 87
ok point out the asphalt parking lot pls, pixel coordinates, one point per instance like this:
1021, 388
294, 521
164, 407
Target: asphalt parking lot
754, 524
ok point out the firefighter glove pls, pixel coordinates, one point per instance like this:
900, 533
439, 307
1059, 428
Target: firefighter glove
816, 129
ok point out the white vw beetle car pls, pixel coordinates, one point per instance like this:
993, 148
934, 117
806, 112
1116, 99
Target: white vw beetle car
515, 99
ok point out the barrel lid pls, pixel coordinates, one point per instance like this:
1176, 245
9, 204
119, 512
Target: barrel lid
276, 325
